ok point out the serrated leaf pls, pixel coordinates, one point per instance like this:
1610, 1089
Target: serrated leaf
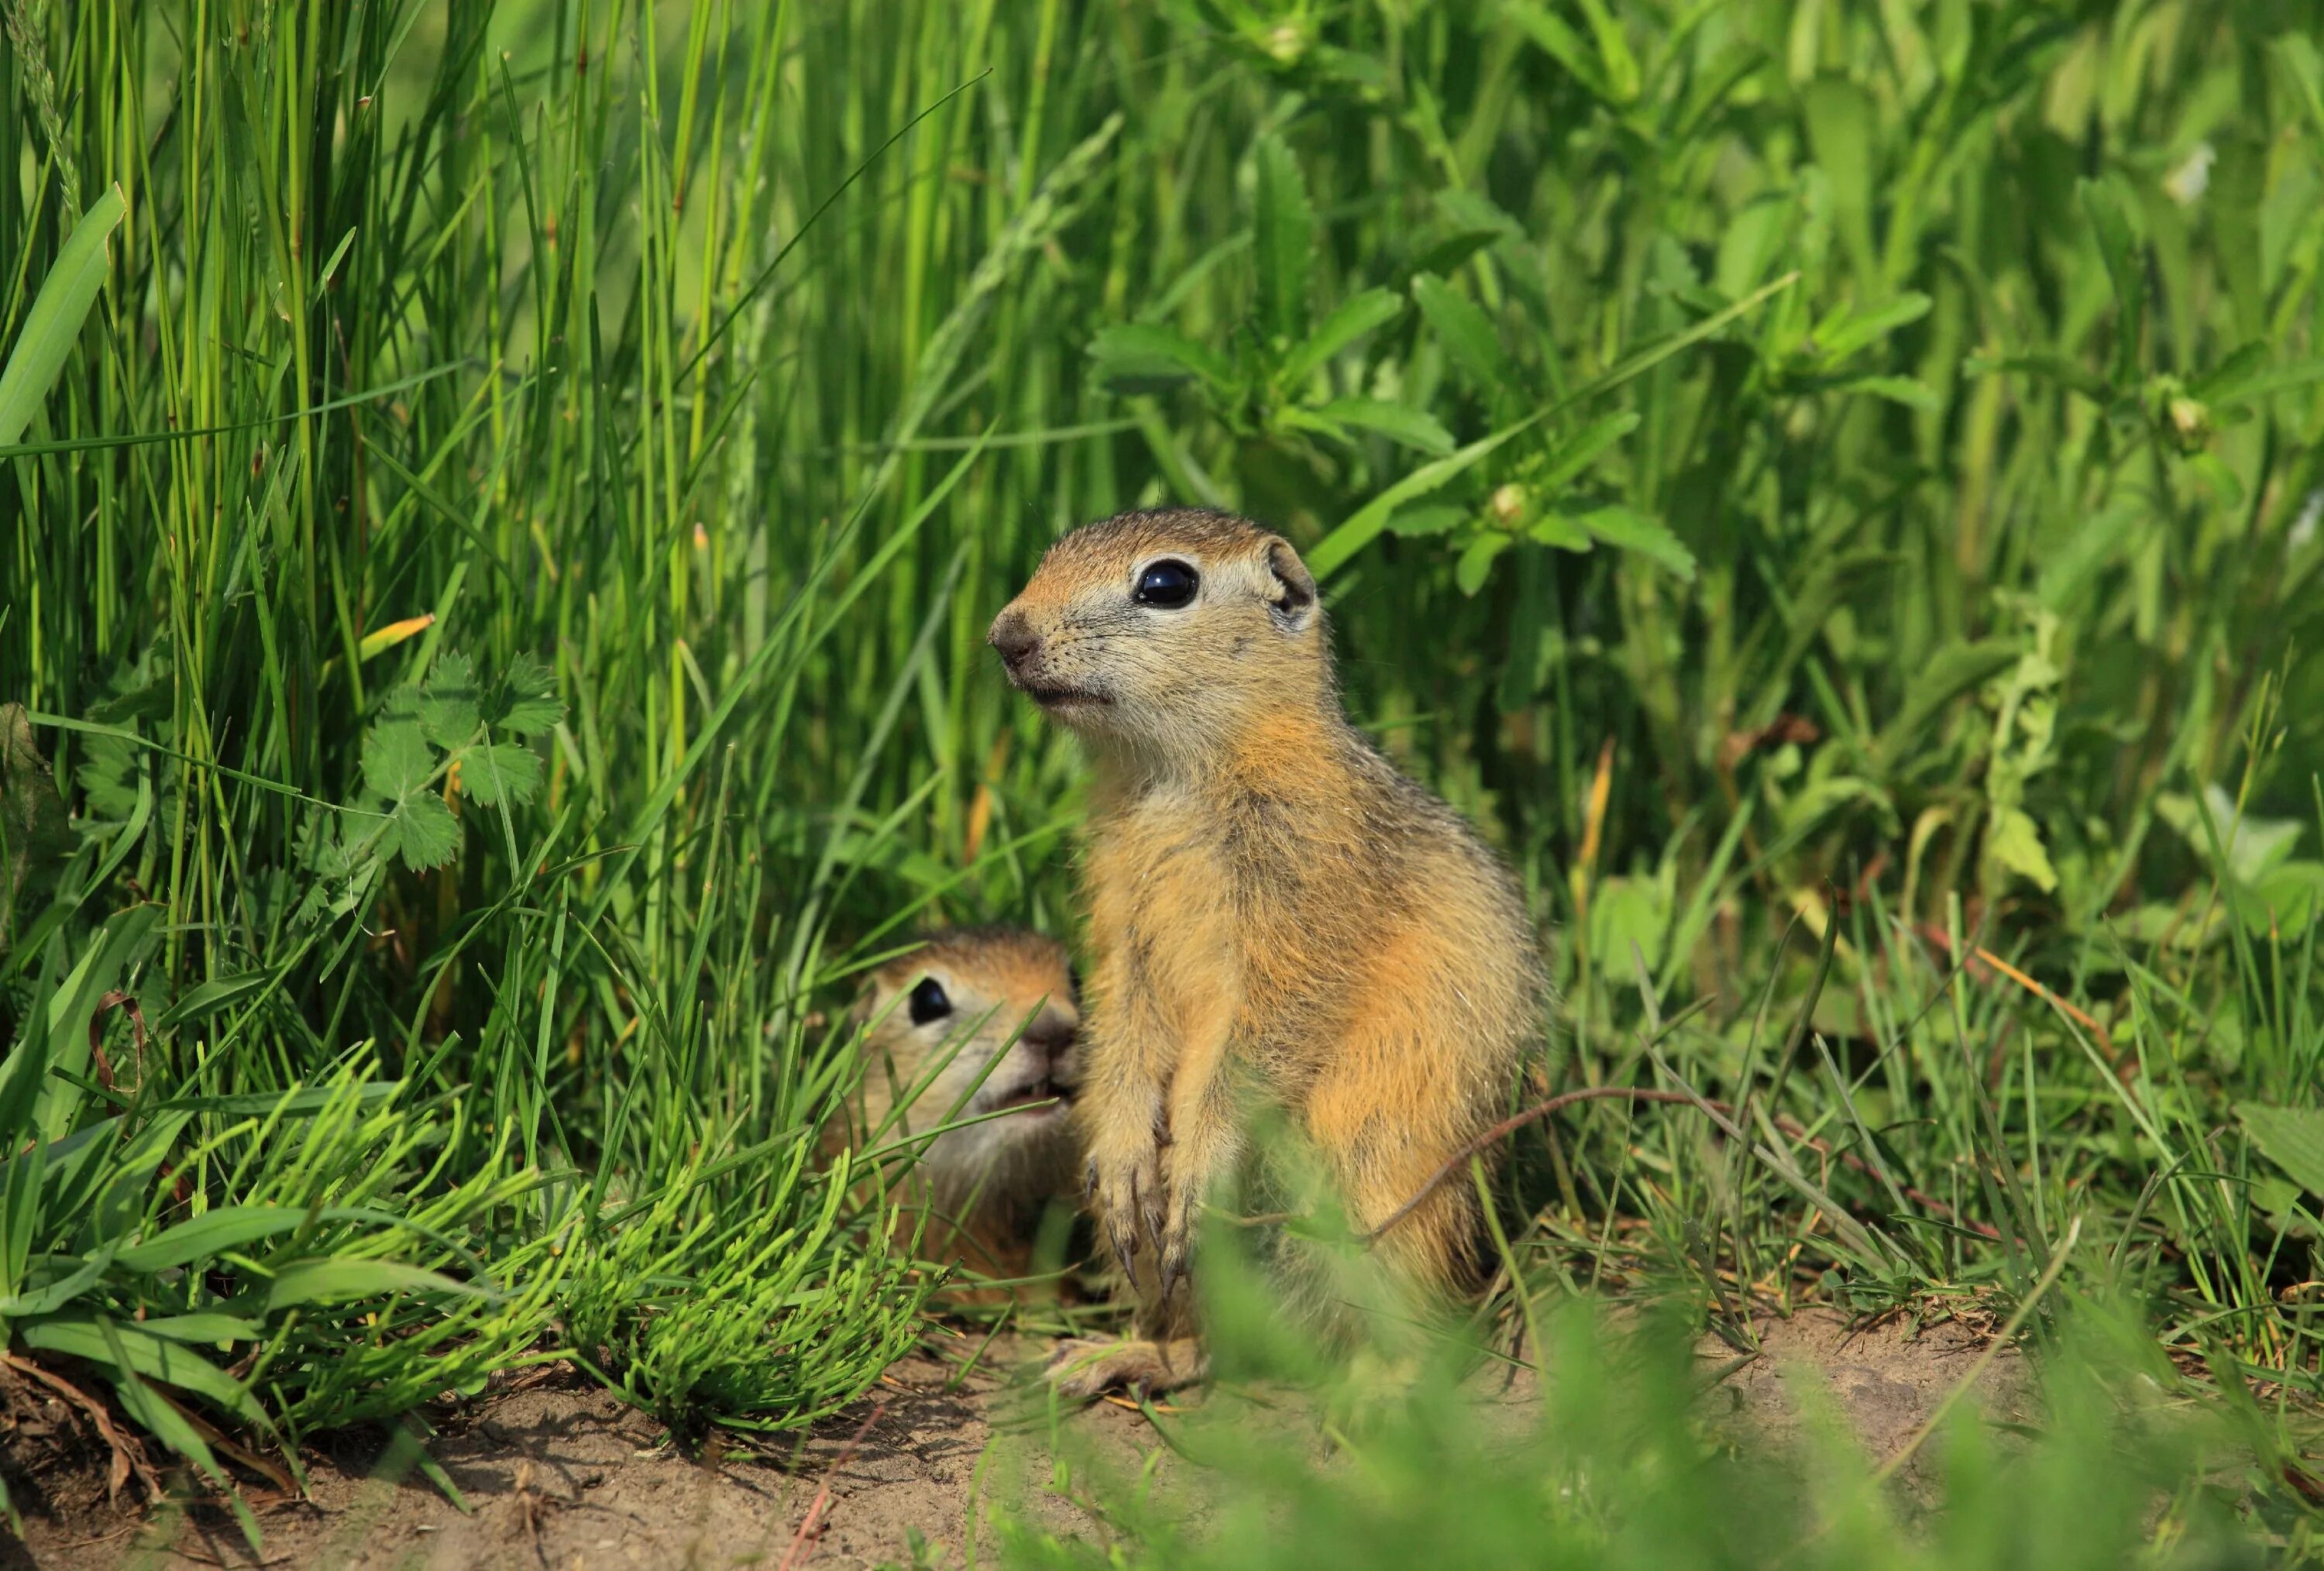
1397, 421
2293, 1138
396, 758
2016, 841
528, 703
1467, 334
1476, 563
423, 831
450, 708
1135, 357
1633, 531
1555, 528
1374, 308
1858, 330
1283, 241
505, 770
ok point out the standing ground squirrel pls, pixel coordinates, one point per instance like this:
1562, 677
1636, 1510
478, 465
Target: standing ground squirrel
1273, 910
934, 1019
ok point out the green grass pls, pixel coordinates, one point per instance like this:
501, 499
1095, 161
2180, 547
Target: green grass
500, 577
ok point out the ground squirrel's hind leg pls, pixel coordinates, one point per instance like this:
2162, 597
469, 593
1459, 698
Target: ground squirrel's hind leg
1082, 1367
1387, 1120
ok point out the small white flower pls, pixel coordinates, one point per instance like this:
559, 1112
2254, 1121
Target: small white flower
2303, 526
2193, 175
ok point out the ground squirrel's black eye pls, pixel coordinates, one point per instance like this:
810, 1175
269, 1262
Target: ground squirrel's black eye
1165, 585
928, 1002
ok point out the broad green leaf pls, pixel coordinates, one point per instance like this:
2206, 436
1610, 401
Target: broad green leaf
396, 758
1467, 334
1578, 451
1397, 421
528, 704
1283, 241
1855, 332
155, 1357
1372, 309
46, 1300
1143, 357
200, 1002
2291, 1137
210, 1234
424, 831
503, 770
1476, 563
1635, 531
1366, 523
335, 1281
202, 1327
2255, 845
449, 708
55, 320
2016, 843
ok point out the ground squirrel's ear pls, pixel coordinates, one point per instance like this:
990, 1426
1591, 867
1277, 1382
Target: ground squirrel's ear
1291, 593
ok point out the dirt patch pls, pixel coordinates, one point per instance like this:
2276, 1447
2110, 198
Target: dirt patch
1885, 1380
563, 1475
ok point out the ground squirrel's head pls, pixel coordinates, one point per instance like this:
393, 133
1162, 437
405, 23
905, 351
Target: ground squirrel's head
937, 1017
1171, 622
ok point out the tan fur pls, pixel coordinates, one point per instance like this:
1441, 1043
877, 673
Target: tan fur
1273, 908
982, 1189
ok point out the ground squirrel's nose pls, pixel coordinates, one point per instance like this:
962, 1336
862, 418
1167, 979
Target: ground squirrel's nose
1014, 637
1049, 1039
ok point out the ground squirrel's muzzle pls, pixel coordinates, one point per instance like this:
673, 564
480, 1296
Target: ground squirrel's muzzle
1014, 637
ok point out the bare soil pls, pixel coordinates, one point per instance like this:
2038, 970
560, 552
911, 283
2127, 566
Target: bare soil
561, 1476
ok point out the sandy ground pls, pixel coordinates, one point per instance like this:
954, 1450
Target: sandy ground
562, 1476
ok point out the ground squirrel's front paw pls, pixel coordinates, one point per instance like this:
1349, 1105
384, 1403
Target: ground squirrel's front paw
1084, 1367
1128, 1188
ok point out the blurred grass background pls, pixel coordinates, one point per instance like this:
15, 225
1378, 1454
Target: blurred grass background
498, 576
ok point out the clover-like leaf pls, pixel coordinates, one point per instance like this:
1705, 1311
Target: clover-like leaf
528, 704
503, 770
424, 832
449, 708
396, 758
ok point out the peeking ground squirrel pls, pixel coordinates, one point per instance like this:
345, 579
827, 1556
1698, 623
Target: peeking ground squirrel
935, 1018
1274, 909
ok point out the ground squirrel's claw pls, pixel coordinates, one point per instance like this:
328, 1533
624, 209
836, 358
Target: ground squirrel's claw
1125, 1249
1173, 1268
1089, 1184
